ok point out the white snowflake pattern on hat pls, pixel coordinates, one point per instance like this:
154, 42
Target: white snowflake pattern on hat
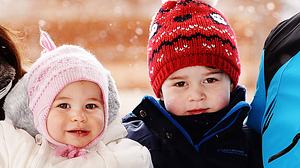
153, 29
218, 18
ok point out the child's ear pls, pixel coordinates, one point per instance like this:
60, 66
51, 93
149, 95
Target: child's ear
231, 87
161, 96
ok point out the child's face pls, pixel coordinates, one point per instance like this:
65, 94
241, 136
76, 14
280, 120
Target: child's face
195, 90
76, 116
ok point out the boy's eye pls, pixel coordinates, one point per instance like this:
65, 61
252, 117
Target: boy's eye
91, 106
64, 106
210, 80
180, 84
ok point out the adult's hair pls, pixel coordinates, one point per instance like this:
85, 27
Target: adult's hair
9, 53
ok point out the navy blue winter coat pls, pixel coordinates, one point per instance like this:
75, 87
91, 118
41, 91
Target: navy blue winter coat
228, 144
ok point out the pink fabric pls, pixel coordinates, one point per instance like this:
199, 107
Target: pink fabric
46, 42
70, 151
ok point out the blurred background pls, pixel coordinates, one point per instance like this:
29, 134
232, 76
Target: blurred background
116, 31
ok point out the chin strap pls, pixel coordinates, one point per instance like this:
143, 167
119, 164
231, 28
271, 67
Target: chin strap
5, 90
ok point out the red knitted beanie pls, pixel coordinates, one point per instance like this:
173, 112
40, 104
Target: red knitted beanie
190, 33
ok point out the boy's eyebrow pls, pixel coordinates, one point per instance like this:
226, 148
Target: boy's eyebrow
210, 72
214, 71
177, 77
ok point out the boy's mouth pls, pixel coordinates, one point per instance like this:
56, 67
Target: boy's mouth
80, 133
197, 111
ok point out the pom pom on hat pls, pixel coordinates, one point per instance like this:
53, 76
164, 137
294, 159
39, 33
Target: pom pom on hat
190, 33
164, 1
209, 2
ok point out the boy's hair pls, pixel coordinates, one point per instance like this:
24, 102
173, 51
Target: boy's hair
190, 33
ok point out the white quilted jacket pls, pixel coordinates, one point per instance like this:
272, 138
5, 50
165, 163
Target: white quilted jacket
18, 149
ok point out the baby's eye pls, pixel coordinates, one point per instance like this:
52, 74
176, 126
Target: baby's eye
180, 84
91, 106
64, 106
210, 80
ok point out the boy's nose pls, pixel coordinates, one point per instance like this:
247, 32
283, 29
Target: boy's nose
79, 116
197, 94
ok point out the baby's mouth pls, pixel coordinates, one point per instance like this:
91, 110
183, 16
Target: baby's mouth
79, 132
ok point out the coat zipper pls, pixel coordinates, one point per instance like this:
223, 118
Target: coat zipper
208, 135
285, 150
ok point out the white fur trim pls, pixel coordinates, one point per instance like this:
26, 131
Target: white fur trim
16, 107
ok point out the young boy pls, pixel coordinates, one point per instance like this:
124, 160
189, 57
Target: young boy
194, 69
73, 105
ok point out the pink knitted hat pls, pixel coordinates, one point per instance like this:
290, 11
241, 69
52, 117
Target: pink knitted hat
56, 68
